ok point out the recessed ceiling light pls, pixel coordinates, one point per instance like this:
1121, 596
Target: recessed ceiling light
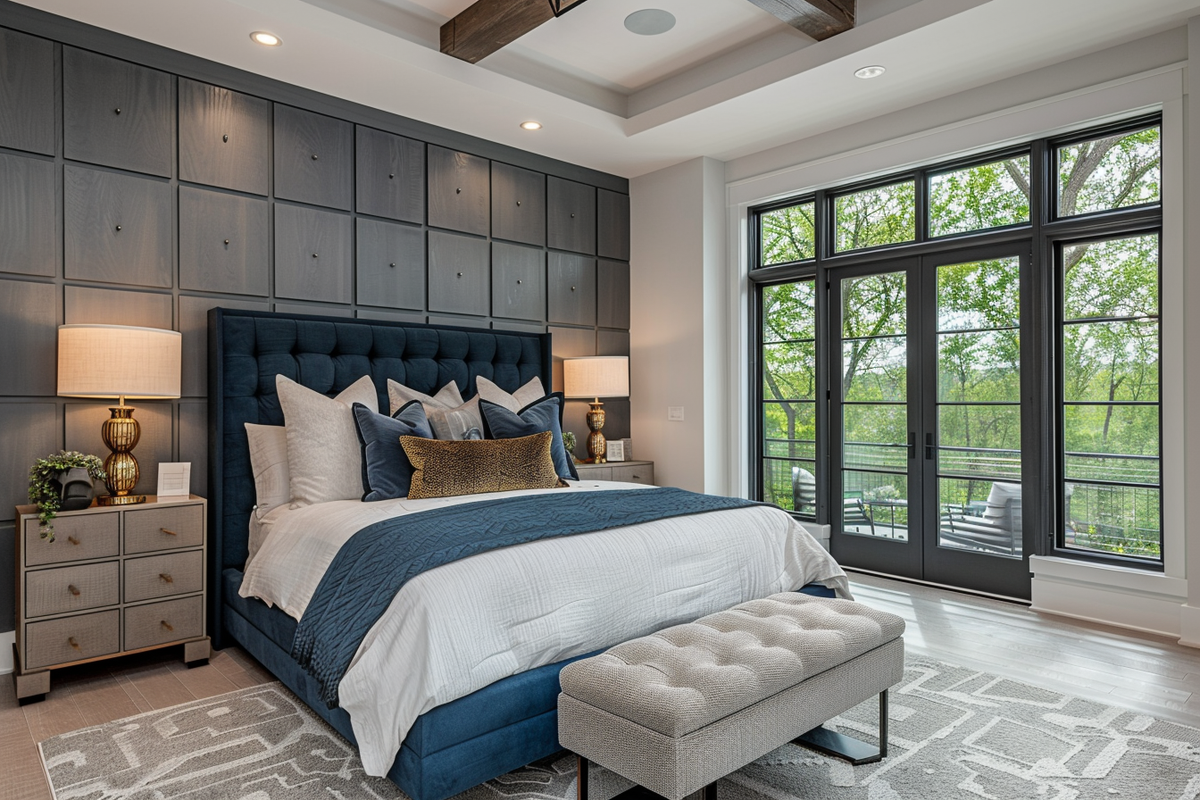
866, 73
268, 39
531, 125
650, 22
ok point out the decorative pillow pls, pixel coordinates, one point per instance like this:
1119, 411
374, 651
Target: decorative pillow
540, 415
448, 469
269, 463
386, 471
527, 394
449, 416
324, 458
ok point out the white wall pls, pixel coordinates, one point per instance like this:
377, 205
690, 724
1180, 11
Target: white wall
683, 330
677, 323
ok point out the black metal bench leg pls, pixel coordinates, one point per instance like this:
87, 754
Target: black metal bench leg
581, 782
848, 748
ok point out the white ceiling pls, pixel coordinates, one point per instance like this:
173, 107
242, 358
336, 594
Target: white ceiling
727, 81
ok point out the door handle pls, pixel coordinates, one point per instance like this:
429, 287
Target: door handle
912, 444
929, 447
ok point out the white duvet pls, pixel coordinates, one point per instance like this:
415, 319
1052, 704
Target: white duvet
457, 628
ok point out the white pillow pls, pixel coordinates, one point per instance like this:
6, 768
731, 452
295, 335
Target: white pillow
269, 463
529, 393
323, 452
448, 415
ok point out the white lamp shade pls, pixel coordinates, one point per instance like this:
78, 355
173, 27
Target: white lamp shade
596, 376
117, 360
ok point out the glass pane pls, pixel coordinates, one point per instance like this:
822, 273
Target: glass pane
1126, 469
791, 485
790, 430
1111, 278
790, 371
979, 367
1113, 519
1111, 172
979, 295
874, 305
883, 215
977, 198
1106, 361
789, 234
875, 437
875, 370
980, 440
789, 311
980, 516
875, 504
1110, 430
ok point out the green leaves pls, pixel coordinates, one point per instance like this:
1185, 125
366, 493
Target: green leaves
44, 489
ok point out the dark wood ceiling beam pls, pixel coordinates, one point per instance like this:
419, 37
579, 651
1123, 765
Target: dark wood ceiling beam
820, 19
488, 25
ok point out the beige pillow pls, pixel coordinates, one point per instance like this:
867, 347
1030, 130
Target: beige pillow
529, 393
269, 463
324, 456
450, 418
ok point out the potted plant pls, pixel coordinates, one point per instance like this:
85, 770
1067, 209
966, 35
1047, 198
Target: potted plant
569, 443
50, 475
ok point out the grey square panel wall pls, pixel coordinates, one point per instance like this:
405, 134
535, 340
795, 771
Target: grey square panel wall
224, 242
31, 430
390, 264
27, 98
29, 314
29, 240
116, 307
313, 254
193, 325
314, 158
224, 138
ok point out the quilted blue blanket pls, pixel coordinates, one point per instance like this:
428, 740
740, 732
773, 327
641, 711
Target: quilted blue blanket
379, 559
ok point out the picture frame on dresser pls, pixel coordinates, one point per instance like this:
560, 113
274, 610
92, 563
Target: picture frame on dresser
116, 580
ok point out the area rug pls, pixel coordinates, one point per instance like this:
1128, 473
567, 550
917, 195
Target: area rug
955, 733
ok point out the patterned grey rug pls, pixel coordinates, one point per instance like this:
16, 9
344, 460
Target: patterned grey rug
955, 733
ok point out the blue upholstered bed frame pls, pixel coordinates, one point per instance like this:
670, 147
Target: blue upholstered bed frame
452, 747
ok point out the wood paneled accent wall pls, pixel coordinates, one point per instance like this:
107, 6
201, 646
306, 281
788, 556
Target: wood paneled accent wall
140, 186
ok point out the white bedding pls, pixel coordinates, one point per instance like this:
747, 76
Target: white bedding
459, 627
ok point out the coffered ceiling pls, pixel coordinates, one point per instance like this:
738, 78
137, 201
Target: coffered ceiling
729, 79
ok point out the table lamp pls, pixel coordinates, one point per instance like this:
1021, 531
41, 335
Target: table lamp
595, 377
107, 361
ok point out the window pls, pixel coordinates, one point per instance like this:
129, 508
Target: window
990, 273
789, 391
873, 217
977, 198
1110, 397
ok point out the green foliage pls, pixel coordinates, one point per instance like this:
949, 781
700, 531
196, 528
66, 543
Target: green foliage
981, 197
44, 490
1112, 172
789, 234
883, 215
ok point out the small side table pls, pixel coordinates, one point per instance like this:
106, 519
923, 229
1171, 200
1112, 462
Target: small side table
628, 471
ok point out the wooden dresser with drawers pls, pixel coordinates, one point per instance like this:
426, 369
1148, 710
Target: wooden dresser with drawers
115, 580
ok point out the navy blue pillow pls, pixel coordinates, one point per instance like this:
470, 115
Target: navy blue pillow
387, 472
539, 416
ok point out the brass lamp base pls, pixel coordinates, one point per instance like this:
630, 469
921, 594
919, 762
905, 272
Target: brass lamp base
121, 433
596, 443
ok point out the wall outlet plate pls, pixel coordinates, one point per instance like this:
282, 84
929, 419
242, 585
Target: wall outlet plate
675, 413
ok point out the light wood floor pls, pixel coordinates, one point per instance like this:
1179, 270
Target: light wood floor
1147, 673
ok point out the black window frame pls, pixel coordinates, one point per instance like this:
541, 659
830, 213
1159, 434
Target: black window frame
1045, 233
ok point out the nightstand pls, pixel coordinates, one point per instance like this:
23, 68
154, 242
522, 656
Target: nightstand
115, 580
629, 471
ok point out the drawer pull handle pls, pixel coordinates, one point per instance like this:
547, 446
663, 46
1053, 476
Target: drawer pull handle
392, 265
72, 540
72, 589
316, 255
118, 227
314, 156
572, 288
71, 641
116, 111
166, 625
168, 532
572, 215
166, 576
637, 477
226, 241
460, 274
225, 138
391, 175
518, 203
458, 190
518, 281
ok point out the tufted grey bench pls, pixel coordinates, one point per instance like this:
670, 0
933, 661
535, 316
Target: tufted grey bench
679, 709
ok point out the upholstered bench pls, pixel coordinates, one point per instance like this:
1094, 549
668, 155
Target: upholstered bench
679, 709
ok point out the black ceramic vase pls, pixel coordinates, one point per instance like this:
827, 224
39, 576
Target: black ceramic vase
76, 489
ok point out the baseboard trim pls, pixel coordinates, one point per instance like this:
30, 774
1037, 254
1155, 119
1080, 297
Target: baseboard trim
1131, 599
7, 640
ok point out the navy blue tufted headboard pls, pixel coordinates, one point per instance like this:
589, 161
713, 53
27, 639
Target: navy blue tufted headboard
247, 349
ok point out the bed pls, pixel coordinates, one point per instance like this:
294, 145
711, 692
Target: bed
454, 745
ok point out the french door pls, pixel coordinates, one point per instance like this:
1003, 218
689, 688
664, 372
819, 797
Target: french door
926, 419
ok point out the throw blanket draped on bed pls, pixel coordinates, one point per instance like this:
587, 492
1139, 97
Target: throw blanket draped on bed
378, 560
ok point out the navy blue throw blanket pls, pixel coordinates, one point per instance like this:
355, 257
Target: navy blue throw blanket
375, 562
